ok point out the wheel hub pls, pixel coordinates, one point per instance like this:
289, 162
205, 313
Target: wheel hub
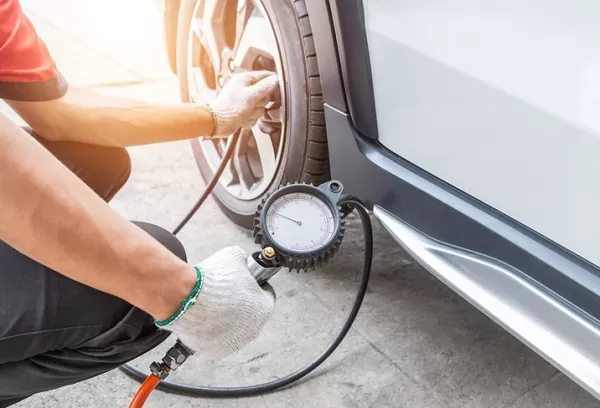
230, 36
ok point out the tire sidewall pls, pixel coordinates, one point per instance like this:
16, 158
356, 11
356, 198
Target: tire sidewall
296, 95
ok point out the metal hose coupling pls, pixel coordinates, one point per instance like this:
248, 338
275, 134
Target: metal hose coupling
173, 359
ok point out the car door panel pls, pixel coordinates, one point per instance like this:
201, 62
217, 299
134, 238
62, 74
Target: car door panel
501, 99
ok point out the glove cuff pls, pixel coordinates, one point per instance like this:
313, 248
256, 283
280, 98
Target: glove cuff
215, 122
187, 303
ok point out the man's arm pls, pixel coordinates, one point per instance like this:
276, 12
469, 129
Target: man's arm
88, 117
85, 116
48, 214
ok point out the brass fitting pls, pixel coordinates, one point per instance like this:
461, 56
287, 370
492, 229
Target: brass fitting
269, 253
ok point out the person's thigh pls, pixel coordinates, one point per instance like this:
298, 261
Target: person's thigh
55, 331
104, 169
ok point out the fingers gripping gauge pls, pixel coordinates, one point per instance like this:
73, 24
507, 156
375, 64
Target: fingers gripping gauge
303, 223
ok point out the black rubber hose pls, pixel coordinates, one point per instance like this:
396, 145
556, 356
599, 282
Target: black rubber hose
213, 182
233, 392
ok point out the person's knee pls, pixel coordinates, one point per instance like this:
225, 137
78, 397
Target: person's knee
107, 170
104, 169
119, 163
167, 239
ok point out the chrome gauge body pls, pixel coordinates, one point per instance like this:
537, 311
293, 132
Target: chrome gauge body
303, 223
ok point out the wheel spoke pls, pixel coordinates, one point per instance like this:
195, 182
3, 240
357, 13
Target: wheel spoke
209, 28
241, 163
213, 152
266, 152
199, 90
228, 177
256, 41
206, 38
244, 11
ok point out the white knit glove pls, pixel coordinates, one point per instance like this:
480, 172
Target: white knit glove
230, 310
242, 101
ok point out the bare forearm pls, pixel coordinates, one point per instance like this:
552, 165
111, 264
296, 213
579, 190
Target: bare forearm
89, 117
48, 214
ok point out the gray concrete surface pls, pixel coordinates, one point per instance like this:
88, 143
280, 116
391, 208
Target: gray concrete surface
415, 344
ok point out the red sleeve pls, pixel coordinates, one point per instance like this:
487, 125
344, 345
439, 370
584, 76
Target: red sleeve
27, 71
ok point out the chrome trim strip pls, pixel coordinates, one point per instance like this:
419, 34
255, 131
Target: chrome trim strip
567, 339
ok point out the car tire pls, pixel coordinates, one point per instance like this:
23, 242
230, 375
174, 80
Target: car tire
305, 152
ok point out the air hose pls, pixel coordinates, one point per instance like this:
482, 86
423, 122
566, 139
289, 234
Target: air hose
143, 393
348, 204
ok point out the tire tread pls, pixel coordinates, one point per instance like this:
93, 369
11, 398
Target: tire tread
316, 164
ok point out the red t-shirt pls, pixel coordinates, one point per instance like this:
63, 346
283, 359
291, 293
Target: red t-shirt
27, 71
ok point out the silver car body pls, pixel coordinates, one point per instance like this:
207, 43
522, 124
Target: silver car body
500, 99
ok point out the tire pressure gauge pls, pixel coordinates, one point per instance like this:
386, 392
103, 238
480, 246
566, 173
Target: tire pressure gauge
302, 223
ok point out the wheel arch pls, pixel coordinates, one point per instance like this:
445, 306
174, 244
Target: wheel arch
342, 50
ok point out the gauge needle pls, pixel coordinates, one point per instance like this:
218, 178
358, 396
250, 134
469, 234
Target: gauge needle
288, 218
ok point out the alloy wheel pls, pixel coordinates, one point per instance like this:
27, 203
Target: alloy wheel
229, 36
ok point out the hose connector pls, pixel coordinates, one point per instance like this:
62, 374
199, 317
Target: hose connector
173, 359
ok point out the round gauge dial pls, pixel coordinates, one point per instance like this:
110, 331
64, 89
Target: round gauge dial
300, 222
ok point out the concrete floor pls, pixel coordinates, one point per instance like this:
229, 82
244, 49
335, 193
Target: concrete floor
415, 344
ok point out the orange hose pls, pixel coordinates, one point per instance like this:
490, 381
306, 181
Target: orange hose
145, 389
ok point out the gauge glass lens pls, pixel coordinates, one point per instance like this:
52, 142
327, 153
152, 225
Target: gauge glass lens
301, 222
